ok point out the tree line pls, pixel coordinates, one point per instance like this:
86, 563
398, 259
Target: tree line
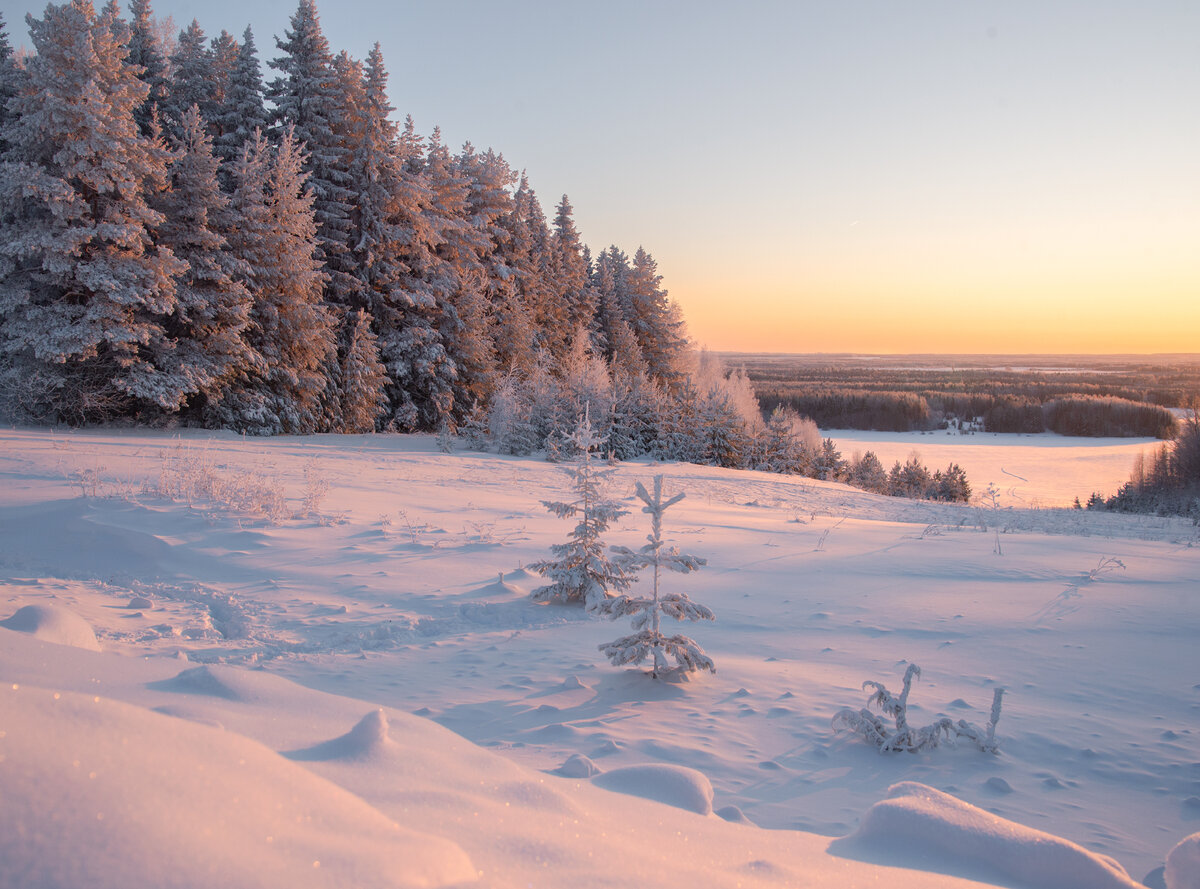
184, 241
1166, 483
834, 406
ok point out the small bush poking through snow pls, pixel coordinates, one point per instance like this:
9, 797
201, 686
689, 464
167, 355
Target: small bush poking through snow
903, 736
581, 571
648, 639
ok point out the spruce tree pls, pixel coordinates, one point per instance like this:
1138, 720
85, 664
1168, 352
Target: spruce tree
223, 53
516, 284
659, 331
573, 287
212, 302
648, 640
12, 78
417, 358
582, 571
290, 326
240, 110
85, 291
361, 377
145, 52
191, 79
306, 98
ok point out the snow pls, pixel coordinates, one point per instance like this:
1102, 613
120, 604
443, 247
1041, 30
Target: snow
918, 822
671, 785
1183, 864
54, 624
366, 680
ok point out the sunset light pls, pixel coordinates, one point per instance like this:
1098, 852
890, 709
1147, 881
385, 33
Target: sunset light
513, 443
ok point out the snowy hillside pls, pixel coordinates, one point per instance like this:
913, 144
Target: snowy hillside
319, 665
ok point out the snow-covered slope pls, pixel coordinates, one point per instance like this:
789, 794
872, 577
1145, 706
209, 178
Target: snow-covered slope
398, 600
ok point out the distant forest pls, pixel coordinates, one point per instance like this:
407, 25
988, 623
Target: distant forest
1093, 398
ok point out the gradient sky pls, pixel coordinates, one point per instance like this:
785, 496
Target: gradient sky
836, 176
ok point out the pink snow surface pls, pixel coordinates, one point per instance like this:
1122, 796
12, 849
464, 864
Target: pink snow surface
347, 684
918, 823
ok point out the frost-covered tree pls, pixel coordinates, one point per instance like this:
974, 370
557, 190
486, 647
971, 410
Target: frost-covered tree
223, 59
783, 443
639, 407
240, 110
472, 251
581, 570
146, 52
290, 326
910, 479
84, 290
867, 472
191, 80
308, 96
212, 308
517, 286
951, 485
828, 463
572, 284
648, 640
361, 377
659, 330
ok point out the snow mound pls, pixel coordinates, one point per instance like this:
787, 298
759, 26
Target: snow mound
923, 826
367, 740
53, 623
673, 785
107, 795
1183, 864
578, 766
733, 815
229, 683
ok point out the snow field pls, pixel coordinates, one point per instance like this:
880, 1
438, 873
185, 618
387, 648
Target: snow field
404, 589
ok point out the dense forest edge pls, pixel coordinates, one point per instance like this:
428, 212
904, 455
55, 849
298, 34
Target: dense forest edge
1166, 483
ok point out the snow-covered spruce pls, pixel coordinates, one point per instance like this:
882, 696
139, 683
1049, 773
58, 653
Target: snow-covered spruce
904, 737
581, 571
648, 640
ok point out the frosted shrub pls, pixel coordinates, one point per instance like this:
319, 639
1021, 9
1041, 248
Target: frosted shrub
903, 737
194, 478
581, 571
648, 640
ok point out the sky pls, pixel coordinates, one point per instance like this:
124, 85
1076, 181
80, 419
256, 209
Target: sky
865, 177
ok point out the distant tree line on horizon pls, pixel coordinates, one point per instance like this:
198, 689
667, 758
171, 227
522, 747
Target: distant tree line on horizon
1134, 402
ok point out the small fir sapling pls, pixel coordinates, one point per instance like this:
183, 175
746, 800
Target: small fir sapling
648, 639
581, 570
903, 736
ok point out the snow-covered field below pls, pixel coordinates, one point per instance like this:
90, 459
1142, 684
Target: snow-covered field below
1027, 470
314, 662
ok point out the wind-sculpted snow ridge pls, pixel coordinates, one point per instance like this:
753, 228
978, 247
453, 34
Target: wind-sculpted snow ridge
53, 623
106, 795
918, 826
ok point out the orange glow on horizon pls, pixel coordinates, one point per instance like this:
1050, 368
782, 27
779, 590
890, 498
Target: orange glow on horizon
863, 312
